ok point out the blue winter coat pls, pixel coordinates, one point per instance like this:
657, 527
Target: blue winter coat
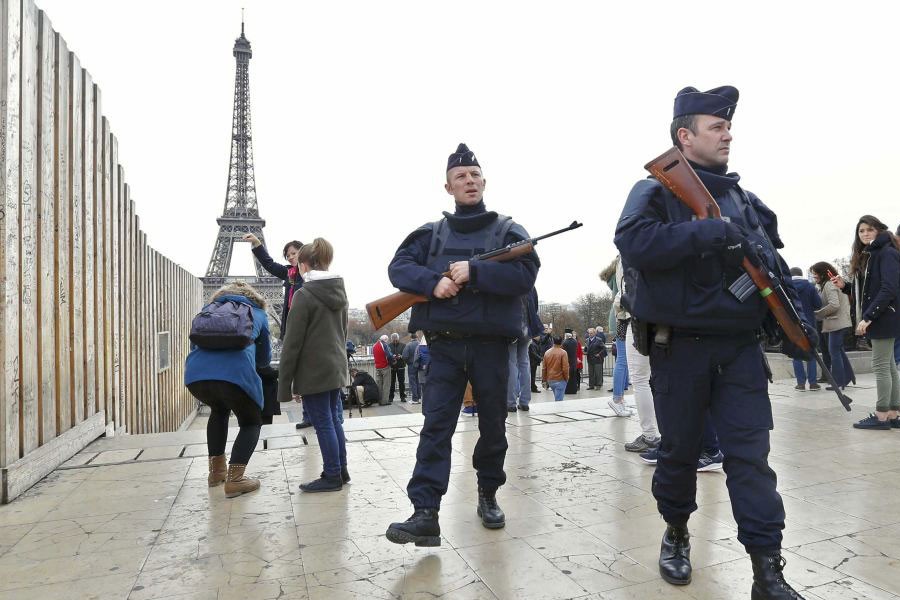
234, 366
809, 298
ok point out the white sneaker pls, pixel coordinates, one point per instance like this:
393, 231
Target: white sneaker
620, 409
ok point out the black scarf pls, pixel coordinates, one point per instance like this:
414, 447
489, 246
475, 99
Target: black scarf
716, 179
467, 219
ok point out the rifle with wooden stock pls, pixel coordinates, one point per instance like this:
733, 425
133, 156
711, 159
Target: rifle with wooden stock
673, 171
384, 310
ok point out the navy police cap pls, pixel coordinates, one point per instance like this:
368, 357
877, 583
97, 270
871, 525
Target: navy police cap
463, 157
719, 102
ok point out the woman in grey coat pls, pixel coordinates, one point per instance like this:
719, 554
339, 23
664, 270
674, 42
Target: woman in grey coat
315, 338
836, 323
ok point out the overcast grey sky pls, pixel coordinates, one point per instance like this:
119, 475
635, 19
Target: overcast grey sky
357, 104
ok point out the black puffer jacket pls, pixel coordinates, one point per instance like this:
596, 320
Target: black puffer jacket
880, 296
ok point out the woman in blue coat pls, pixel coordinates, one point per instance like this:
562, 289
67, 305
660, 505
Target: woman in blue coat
227, 381
875, 270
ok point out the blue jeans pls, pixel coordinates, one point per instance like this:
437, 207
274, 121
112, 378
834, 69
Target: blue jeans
518, 389
897, 351
323, 409
840, 364
620, 370
805, 372
559, 389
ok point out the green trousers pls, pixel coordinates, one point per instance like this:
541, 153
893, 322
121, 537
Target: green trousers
887, 381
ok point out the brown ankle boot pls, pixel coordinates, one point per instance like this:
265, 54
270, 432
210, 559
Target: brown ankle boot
218, 470
237, 484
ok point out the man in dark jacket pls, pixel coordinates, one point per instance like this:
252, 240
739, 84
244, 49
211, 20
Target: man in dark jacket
712, 361
805, 371
470, 320
570, 345
371, 394
412, 372
595, 350
398, 368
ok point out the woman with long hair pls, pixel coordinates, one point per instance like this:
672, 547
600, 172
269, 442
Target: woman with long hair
875, 273
314, 358
836, 323
227, 380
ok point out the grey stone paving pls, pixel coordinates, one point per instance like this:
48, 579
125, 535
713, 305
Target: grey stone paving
132, 517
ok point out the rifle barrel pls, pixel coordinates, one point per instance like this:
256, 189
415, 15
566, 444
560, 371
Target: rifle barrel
574, 225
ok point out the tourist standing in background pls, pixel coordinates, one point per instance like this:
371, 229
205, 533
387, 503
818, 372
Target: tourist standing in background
836, 324
383, 359
875, 272
805, 372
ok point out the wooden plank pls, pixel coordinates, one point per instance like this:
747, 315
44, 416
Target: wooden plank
152, 379
10, 19
117, 255
96, 225
142, 329
61, 239
76, 227
27, 471
107, 279
87, 242
28, 233
46, 330
130, 317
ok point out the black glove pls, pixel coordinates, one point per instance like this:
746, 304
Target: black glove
738, 247
788, 347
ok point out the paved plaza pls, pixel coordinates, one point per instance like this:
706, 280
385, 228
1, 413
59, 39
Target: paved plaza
132, 517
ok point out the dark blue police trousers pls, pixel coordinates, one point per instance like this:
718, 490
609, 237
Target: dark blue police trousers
723, 377
485, 363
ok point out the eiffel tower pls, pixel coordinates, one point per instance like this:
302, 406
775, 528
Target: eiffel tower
241, 215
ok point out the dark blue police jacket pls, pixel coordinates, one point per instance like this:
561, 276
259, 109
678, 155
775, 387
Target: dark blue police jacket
680, 278
491, 302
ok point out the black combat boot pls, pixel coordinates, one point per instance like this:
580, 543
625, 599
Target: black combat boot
768, 579
675, 555
491, 515
422, 529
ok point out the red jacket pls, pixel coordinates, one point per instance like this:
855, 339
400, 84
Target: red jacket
381, 354
579, 353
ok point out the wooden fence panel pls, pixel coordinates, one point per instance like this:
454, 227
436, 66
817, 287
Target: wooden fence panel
117, 254
28, 234
10, 23
97, 259
87, 242
76, 228
46, 325
106, 285
61, 240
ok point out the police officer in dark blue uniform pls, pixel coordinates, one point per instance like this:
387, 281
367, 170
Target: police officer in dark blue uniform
712, 363
470, 321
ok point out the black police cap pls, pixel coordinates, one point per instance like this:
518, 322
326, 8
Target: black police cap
463, 157
719, 102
